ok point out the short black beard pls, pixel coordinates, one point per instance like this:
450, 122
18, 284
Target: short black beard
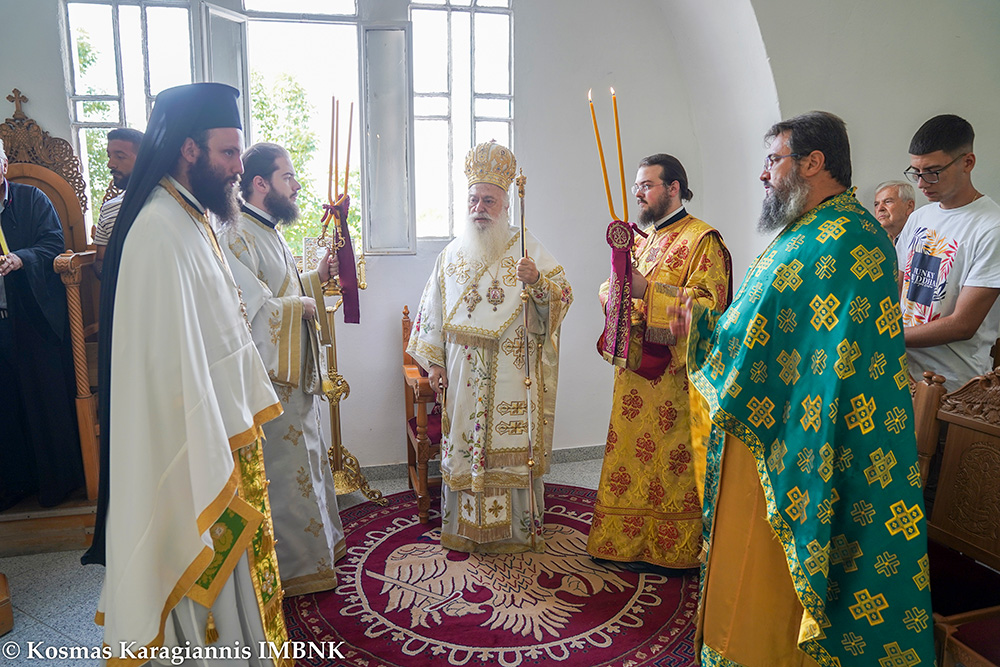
121, 183
214, 191
282, 209
780, 208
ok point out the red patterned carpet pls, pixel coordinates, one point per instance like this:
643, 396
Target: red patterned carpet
403, 601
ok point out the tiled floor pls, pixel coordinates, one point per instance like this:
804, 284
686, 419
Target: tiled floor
54, 597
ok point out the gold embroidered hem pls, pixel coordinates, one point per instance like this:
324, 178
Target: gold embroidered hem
231, 534
485, 517
310, 583
471, 338
256, 431
498, 479
458, 543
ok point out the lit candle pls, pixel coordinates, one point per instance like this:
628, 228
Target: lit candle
621, 165
600, 151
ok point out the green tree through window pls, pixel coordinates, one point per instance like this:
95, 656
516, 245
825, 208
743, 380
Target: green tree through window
280, 114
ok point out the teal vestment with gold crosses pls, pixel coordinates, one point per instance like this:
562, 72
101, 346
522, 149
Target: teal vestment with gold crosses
808, 368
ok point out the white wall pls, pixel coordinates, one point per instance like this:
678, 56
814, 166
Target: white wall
31, 60
886, 67
733, 101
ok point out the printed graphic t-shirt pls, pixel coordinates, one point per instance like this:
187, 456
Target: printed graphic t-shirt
940, 251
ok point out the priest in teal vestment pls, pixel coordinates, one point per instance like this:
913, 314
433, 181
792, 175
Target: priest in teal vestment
817, 549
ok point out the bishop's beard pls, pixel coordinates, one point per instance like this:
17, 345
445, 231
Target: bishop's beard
485, 242
214, 190
783, 205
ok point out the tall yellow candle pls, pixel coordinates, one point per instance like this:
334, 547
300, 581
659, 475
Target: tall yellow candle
621, 165
347, 161
4, 250
333, 129
336, 151
600, 151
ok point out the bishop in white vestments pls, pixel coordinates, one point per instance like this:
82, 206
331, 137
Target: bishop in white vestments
470, 334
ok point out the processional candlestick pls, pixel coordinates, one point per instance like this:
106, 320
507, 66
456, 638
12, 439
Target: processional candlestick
347, 475
614, 341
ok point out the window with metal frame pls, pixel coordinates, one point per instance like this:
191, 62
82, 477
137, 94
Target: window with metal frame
117, 66
463, 95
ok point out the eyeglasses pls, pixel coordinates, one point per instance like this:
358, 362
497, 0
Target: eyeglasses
772, 159
645, 187
931, 175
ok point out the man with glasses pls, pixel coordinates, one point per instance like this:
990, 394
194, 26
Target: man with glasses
949, 258
816, 536
648, 509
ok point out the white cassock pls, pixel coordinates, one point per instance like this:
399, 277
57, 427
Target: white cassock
303, 498
471, 322
187, 524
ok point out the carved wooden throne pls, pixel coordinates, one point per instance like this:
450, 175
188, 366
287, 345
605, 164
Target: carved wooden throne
964, 524
48, 163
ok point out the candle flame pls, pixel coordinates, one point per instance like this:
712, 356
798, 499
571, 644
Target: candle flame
612, 90
589, 98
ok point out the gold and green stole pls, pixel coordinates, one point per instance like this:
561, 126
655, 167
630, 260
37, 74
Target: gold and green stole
245, 527
808, 368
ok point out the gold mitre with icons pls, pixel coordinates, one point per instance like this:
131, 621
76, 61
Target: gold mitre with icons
491, 163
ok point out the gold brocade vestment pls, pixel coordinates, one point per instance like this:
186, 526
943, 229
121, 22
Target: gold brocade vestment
648, 502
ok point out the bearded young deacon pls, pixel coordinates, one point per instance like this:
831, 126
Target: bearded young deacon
648, 509
184, 524
469, 334
817, 543
283, 308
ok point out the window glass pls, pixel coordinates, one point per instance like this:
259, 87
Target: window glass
492, 53
169, 48
93, 49
339, 7
430, 51
430, 177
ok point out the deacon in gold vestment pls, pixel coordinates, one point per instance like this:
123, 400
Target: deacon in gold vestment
283, 309
470, 335
817, 550
648, 502
184, 523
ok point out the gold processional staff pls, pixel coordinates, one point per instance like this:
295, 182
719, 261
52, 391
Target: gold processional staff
347, 475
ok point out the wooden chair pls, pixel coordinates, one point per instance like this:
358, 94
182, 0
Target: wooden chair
423, 425
964, 523
48, 163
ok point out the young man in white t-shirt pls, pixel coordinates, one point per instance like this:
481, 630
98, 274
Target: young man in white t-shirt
949, 258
